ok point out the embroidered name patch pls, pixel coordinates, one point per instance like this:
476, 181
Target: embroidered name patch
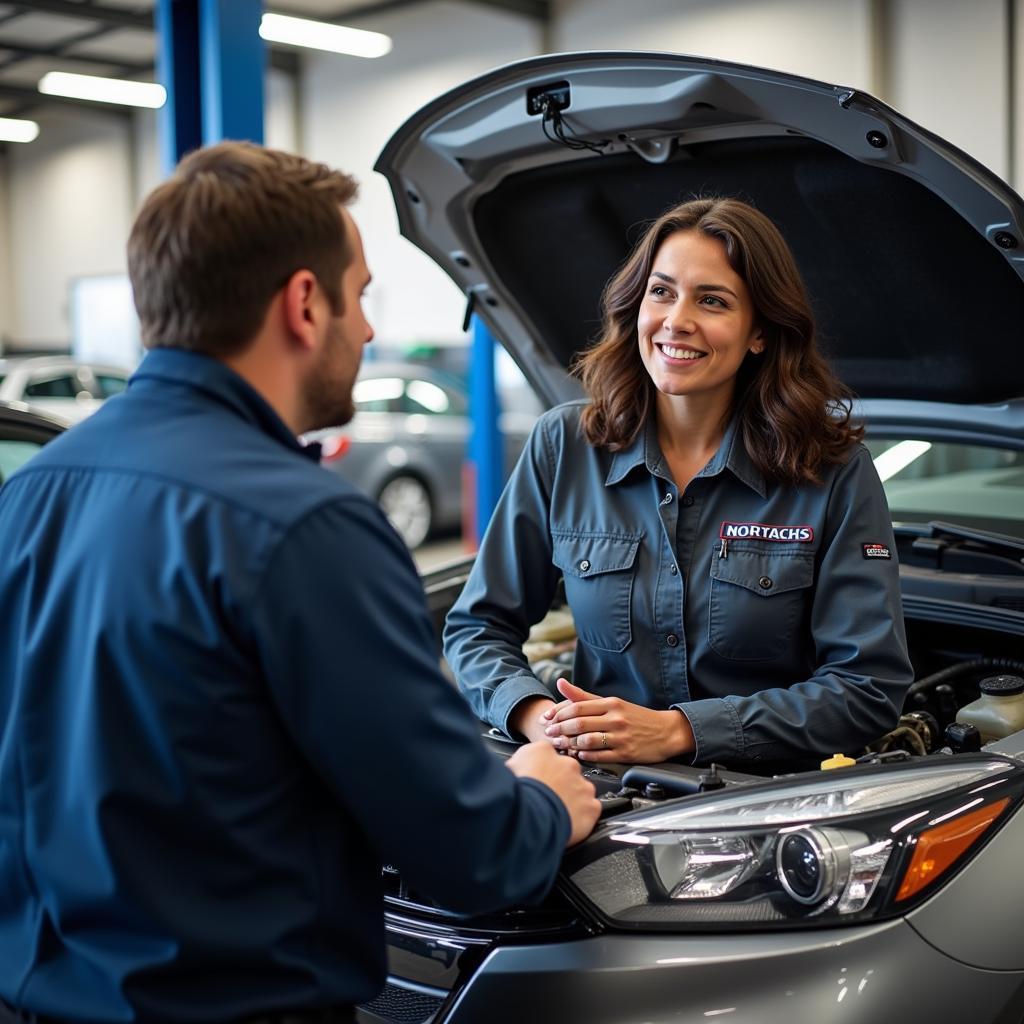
763, 531
876, 551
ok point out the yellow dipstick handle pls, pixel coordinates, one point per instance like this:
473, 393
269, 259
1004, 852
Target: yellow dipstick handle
837, 761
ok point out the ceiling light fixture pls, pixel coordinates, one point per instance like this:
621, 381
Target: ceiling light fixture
318, 35
13, 129
103, 90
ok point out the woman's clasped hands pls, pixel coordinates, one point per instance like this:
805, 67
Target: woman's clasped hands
609, 729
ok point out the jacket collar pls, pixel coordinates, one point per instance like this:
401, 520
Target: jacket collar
195, 371
645, 451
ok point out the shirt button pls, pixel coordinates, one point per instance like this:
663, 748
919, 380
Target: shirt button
688, 500
765, 583
584, 566
672, 569
671, 639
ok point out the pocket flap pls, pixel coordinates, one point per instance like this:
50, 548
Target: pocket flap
764, 573
590, 554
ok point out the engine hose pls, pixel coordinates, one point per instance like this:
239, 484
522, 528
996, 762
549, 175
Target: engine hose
914, 735
965, 668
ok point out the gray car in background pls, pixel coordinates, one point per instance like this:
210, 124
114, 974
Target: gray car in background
884, 890
408, 444
60, 385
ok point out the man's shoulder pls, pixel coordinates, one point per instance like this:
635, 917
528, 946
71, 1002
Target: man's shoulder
218, 458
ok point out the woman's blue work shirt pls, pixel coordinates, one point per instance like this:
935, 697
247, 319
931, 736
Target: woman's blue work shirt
768, 614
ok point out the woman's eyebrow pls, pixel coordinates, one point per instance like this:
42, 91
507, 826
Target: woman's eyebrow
715, 288
699, 288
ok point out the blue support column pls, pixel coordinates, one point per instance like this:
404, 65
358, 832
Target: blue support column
486, 447
177, 63
211, 61
232, 58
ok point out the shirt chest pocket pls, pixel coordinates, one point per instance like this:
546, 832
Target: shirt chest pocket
759, 601
598, 570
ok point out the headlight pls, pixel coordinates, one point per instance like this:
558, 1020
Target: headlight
849, 845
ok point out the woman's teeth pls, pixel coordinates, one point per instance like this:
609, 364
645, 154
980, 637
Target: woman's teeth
681, 353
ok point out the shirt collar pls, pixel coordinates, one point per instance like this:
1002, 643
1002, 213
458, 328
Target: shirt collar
645, 450
217, 380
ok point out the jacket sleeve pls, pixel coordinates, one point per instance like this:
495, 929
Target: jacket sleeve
350, 660
510, 587
863, 670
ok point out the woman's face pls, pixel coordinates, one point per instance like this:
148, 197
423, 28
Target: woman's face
696, 321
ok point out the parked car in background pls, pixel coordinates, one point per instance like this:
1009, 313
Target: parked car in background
407, 445
22, 433
883, 890
60, 385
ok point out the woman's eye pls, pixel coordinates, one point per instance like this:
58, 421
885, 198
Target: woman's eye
659, 291
713, 300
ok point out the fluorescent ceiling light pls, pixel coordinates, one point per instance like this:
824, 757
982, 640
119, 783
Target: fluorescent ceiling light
318, 35
14, 130
103, 90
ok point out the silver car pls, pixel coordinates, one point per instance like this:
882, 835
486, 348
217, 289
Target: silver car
886, 889
60, 385
407, 446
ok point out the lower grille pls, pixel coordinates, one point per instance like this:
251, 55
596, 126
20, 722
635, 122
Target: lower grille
399, 1004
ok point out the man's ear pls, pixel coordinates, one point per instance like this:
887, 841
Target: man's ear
299, 307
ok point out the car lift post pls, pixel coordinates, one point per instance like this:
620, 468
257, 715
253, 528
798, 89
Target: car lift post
485, 475
210, 58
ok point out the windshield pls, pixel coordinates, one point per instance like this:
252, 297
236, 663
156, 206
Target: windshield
973, 485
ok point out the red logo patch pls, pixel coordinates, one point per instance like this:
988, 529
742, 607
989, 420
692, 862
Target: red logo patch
876, 551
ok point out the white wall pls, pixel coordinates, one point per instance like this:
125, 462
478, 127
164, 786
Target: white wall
825, 39
69, 195
350, 107
947, 67
6, 314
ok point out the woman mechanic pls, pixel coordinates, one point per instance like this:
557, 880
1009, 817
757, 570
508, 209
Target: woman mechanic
724, 538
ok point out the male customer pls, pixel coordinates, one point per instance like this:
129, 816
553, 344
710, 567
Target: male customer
220, 708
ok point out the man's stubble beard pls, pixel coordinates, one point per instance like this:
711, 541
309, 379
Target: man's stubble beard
328, 391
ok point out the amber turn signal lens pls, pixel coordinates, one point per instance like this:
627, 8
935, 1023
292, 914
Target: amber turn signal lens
939, 848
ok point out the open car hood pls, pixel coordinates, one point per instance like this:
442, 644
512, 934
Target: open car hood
912, 251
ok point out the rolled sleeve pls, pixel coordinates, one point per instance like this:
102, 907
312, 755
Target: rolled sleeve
511, 586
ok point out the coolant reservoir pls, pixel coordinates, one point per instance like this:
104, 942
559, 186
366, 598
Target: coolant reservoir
999, 710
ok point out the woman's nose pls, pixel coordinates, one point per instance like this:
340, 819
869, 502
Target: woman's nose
678, 320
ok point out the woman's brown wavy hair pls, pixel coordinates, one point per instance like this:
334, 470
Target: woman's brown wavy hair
794, 412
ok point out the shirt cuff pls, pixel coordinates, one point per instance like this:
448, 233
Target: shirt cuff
510, 694
717, 729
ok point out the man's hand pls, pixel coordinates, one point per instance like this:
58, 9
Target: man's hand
562, 775
526, 718
596, 728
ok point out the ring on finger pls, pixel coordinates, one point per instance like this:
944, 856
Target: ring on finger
604, 741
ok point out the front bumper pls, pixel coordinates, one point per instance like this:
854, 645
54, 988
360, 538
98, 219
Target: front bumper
883, 972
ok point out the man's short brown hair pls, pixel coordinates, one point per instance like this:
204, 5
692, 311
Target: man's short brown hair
212, 245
